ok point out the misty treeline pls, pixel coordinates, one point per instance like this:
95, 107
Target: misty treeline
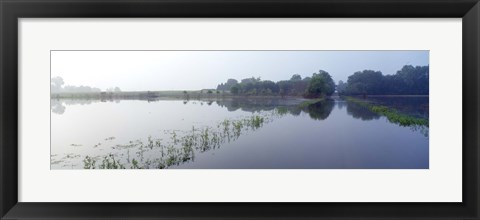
409, 80
57, 85
319, 84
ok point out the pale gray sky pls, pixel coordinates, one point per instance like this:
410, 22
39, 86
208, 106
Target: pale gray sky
192, 70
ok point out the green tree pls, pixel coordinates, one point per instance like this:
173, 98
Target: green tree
228, 85
365, 82
321, 84
235, 89
296, 77
409, 80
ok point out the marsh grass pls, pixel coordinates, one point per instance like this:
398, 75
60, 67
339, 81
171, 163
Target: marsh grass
181, 147
391, 114
109, 162
88, 163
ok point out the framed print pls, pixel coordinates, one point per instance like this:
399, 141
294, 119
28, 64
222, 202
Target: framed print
225, 109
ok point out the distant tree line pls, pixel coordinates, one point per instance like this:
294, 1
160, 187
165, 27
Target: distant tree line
319, 84
57, 86
409, 80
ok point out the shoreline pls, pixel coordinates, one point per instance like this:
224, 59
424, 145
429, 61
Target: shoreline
193, 95
159, 95
392, 96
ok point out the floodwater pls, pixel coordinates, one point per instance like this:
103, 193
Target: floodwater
235, 134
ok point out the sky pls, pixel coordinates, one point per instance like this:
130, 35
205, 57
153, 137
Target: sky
193, 70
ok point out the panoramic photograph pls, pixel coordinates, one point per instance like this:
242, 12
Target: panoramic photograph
239, 109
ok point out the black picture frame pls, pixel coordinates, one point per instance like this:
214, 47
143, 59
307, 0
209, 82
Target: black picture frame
11, 10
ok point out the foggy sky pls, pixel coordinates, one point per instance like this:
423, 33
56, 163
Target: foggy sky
193, 70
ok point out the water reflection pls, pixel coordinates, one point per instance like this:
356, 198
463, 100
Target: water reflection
320, 110
177, 147
360, 112
181, 147
417, 106
58, 106
231, 104
257, 104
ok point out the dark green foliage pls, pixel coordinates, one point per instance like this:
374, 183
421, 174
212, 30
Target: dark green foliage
365, 82
320, 110
235, 89
252, 86
228, 85
407, 81
320, 85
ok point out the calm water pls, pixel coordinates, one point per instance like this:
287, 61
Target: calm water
235, 134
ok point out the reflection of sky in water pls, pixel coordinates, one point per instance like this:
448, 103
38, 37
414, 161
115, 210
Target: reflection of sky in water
329, 135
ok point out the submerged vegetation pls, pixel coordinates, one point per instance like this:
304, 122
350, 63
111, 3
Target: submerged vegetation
176, 147
181, 148
391, 114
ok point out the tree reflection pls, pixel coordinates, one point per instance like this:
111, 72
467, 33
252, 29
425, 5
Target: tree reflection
360, 112
57, 107
182, 146
320, 110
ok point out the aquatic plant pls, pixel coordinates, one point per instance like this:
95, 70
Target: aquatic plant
282, 110
257, 121
88, 163
109, 162
135, 164
181, 147
391, 114
238, 127
150, 142
158, 143
174, 137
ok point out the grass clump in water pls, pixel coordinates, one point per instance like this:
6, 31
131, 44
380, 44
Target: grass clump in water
282, 110
88, 163
109, 162
180, 147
